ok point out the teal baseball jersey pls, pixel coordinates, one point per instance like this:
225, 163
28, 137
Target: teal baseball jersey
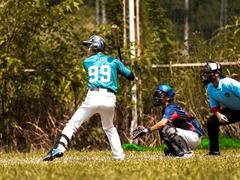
102, 71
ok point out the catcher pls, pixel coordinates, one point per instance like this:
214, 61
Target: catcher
180, 131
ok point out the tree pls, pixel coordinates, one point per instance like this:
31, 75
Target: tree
39, 35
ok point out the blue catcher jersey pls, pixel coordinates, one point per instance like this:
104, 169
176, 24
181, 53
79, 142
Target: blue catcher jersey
179, 118
227, 94
102, 71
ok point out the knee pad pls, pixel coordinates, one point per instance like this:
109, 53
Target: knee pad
180, 143
168, 132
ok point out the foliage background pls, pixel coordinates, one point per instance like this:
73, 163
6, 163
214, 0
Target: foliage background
47, 35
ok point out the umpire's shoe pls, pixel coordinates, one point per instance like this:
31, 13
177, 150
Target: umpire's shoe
52, 154
213, 153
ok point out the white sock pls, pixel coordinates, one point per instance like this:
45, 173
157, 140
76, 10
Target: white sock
61, 147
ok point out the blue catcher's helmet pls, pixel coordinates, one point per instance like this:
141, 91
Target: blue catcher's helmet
96, 43
167, 89
163, 90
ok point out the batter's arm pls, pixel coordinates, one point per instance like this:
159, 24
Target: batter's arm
131, 77
125, 71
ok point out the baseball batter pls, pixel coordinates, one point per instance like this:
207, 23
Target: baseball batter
102, 71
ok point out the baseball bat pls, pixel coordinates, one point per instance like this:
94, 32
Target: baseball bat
116, 40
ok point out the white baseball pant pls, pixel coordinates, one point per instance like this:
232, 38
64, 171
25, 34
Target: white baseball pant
192, 139
101, 102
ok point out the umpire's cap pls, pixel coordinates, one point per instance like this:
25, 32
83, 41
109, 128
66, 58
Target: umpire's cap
208, 71
213, 66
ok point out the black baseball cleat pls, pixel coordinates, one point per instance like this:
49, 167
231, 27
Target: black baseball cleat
172, 152
213, 153
168, 152
52, 154
178, 154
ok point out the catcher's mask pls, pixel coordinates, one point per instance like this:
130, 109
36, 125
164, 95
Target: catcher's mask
161, 92
96, 43
208, 72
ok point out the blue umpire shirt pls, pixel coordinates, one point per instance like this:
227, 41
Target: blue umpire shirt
102, 71
227, 94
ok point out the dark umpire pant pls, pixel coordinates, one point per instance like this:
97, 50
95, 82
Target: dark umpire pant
213, 126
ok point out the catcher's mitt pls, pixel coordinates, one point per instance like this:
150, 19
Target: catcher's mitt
139, 131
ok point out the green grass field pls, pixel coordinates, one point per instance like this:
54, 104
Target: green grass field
138, 165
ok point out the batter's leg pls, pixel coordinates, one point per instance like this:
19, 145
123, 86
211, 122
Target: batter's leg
84, 112
107, 115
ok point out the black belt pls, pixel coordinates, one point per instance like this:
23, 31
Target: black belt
108, 90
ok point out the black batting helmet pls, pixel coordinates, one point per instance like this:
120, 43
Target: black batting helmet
96, 43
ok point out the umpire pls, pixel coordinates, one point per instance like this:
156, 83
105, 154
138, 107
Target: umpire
224, 99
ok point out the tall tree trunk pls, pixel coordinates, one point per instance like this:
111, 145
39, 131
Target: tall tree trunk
98, 11
124, 25
139, 82
134, 122
103, 7
125, 86
186, 26
223, 13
